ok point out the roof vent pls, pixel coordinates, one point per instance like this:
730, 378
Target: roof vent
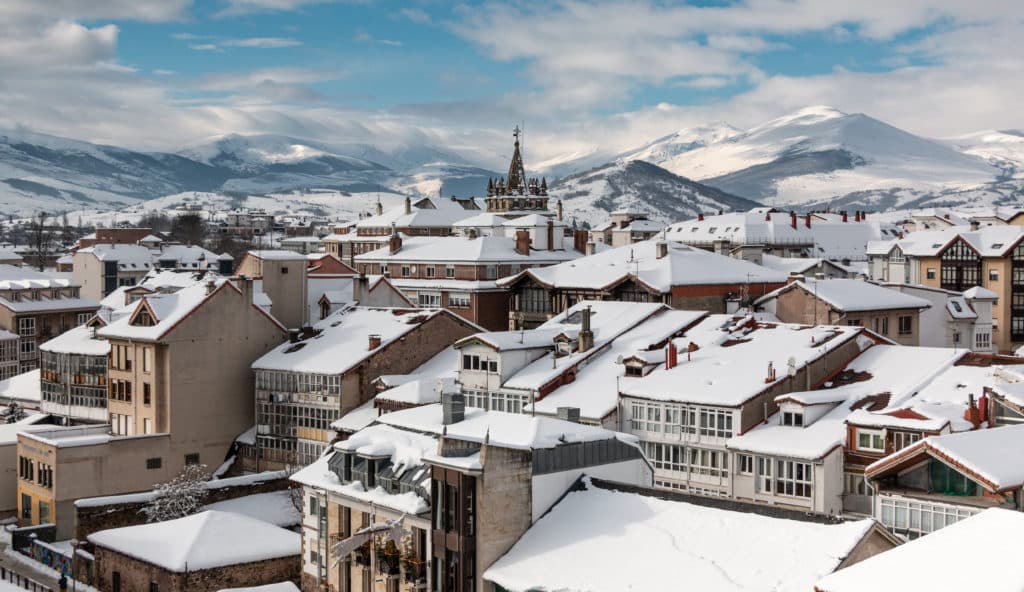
453, 408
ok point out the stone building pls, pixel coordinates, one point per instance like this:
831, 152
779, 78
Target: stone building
204, 552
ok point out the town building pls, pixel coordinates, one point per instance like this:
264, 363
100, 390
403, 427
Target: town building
955, 319
958, 260
686, 412
317, 376
598, 527
889, 313
463, 484
114, 236
515, 194
626, 227
10, 257
102, 267
10, 354
836, 237
73, 374
461, 273
301, 244
204, 552
37, 307
943, 479
668, 272
574, 360
936, 562
179, 391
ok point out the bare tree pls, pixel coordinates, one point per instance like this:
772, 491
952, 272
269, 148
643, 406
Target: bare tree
181, 496
41, 239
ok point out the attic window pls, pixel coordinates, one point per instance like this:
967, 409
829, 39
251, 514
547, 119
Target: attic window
143, 319
956, 305
936, 245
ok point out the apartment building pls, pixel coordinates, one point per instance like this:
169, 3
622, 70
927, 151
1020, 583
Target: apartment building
114, 236
73, 374
319, 375
179, 391
889, 313
461, 273
462, 484
10, 354
955, 319
103, 267
958, 260
668, 272
944, 479
687, 412
572, 361
37, 307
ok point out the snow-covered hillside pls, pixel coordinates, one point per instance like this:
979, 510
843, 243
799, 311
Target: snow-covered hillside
639, 186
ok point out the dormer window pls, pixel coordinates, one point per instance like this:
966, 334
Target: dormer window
634, 370
790, 418
143, 319
870, 440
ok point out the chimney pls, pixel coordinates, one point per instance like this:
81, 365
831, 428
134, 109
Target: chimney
293, 335
558, 208
360, 286
210, 287
522, 245
844, 217
395, 243
768, 217
453, 408
972, 414
586, 338
700, 217
373, 342
807, 220
983, 404
245, 285
408, 205
569, 414
591, 248
551, 235
946, 216
662, 249
579, 240
792, 220
975, 225
900, 235
471, 234
380, 207
794, 277
671, 356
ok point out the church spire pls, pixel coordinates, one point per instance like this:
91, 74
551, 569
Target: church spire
516, 183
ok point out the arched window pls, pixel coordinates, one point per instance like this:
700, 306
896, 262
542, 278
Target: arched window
961, 267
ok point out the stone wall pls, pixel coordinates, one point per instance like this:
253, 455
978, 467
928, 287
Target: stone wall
136, 576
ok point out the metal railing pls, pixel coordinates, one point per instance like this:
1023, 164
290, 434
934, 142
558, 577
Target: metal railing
22, 581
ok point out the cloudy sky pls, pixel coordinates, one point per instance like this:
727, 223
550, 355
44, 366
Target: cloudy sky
165, 74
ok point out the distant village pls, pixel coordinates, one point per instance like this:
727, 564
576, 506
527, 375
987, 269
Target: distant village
479, 394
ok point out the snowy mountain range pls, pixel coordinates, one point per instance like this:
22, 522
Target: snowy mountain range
818, 157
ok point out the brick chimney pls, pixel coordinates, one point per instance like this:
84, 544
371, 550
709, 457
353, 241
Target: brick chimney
373, 342
586, 338
671, 356
844, 217
807, 220
522, 244
792, 220
700, 217
395, 242
794, 277
551, 235
579, 240
972, 414
558, 208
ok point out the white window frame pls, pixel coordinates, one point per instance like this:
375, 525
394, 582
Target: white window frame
872, 435
27, 326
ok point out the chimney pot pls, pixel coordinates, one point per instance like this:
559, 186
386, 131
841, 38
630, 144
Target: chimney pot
807, 220
373, 342
586, 337
700, 217
293, 335
792, 220
844, 217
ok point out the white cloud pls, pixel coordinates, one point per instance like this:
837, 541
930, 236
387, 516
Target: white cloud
263, 42
204, 46
63, 43
416, 15
364, 37
241, 7
50, 10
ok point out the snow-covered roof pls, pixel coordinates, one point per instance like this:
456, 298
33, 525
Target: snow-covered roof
280, 587
128, 257
991, 455
831, 238
979, 293
534, 221
731, 363
80, 341
343, 339
22, 387
271, 255
896, 370
505, 430
595, 389
482, 220
681, 266
583, 543
357, 419
461, 249
33, 423
273, 507
850, 295
13, 277
443, 215
789, 264
184, 256
937, 562
150, 238
205, 540
47, 304
425, 384
167, 311
988, 241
